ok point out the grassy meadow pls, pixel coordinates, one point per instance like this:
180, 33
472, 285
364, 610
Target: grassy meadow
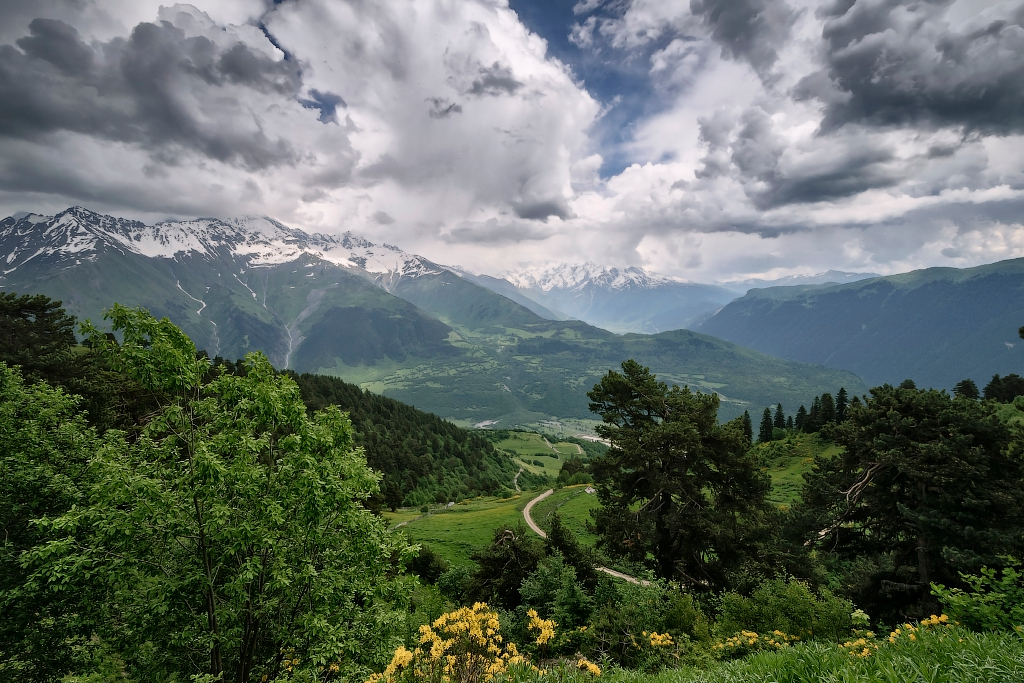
455, 532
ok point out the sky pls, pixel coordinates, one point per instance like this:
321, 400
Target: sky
711, 140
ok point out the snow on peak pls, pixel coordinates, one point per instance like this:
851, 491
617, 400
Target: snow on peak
257, 240
547, 277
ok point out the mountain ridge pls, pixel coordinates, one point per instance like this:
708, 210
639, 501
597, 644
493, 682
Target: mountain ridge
936, 326
402, 325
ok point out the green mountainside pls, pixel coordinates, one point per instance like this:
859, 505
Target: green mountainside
936, 326
421, 334
424, 459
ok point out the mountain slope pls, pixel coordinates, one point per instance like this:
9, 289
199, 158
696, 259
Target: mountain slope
374, 315
829, 277
620, 300
936, 326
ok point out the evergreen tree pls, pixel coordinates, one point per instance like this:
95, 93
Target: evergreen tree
37, 334
513, 555
675, 486
842, 403
1004, 389
801, 419
828, 410
748, 428
764, 434
789, 423
813, 422
908, 384
966, 388
921, 475
780, 418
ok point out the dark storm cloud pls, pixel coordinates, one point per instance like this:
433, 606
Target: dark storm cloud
496, 79
750, 150
542, 210
900, 63
157, 88
751, 30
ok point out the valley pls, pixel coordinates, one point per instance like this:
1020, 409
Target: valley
389, 321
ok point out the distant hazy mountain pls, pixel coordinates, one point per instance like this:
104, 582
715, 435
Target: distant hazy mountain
372, 314
620, 300
830, 276
936, 326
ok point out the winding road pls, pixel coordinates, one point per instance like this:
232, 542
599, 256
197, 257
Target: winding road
540, 532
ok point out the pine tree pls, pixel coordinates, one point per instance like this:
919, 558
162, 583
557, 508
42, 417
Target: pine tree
748, 428
920, 476
842, 402
801, 419
966, 388
678, 489
789, 423
764, 434
1005, 389
828, 409
780, 418
813, 422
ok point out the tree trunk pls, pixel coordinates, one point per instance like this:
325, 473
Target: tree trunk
664, 551
216, 661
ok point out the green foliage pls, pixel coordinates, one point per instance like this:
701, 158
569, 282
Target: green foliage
502, 566
46, 447
787, 606
764, 433
1004, 389
966, 389
574, 472
428, 565
925, 481
554, 590
424, 459
992, 601
37, 334
231, 532
675, 485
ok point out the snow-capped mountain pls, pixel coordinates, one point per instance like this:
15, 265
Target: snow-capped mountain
551, 276
78, 235
617, 299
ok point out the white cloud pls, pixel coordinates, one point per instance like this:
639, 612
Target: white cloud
451, 120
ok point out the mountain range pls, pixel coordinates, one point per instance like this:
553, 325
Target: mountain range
388, 320
936, 326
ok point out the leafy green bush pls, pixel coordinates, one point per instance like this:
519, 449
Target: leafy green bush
995, 601
787, 606
428, 565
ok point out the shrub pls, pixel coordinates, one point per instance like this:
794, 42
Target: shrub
789, 607
463, 646
428, 565
994, 602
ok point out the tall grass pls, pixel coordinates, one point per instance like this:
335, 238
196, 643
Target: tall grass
950, 656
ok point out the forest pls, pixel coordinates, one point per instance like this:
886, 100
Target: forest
171, 517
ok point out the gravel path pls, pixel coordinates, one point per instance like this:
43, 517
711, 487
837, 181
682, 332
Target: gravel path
540, 532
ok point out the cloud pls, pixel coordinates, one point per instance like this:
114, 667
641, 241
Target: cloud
905, 63
495, 80
158, 88
752, 30
699, 138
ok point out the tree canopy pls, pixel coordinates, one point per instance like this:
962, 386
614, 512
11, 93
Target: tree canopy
928, 482
230, 530
675, 485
